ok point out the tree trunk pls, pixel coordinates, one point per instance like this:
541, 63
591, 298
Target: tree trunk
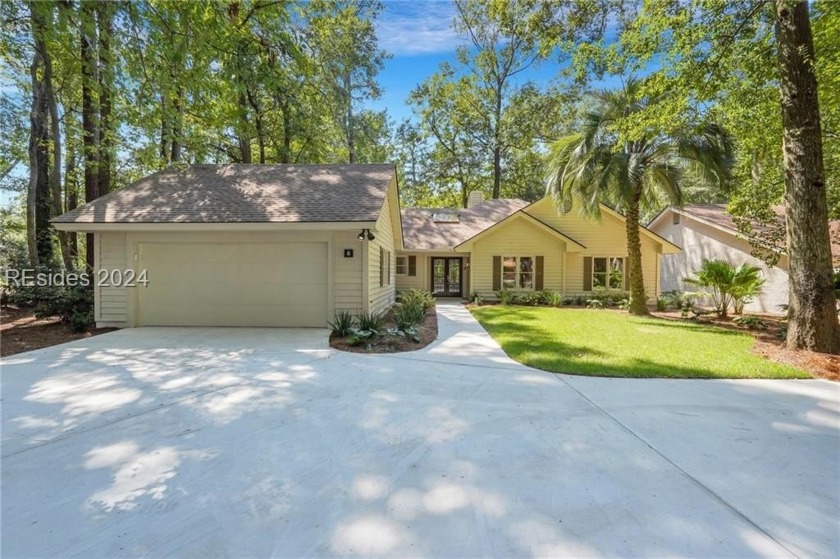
39, 198
55, 176
813, 317
165, 131
107, 133
90, 115
178, 127
638, 299
497, 172
71, 190
286, 151
351, 132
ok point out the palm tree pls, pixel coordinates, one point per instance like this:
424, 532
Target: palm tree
599, 165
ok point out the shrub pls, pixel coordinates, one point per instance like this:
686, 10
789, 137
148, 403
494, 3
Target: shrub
73, 305
623, 304
751, 321
417, 296
728, 285
526, 298
409, 314
662, 304
477, 299
369, 322
594, 304
505, 297
342, 323
552, 298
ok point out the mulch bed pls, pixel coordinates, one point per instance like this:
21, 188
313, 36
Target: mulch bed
21, 331
770, 345
427, 332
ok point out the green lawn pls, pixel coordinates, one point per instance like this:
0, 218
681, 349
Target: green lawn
609, 343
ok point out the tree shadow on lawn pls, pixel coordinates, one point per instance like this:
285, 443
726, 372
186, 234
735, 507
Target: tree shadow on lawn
523, 339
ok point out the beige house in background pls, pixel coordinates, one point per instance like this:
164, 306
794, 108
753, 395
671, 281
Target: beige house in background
708, 232
512, 244
288, 245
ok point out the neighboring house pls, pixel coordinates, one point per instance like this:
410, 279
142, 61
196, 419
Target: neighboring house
287, 245
707, 232
511, 244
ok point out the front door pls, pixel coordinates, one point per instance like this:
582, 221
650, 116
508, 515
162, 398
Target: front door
446, 277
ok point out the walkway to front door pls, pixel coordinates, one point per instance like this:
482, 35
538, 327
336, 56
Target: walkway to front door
446, 277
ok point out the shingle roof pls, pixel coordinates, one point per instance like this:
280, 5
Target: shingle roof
717, 214
422, 232
240, 193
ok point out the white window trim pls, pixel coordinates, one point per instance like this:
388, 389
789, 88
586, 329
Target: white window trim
518, 278
623, 271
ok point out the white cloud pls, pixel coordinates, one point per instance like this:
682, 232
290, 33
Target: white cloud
412, 27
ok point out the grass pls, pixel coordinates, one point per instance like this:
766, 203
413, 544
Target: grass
615, 344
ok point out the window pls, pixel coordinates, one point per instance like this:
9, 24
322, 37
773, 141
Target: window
402, 265
384, 267
517, 272
608, 272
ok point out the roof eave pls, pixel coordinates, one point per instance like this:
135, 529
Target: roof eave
101, 227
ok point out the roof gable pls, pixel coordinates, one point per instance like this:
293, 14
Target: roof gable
243, 193
522, 214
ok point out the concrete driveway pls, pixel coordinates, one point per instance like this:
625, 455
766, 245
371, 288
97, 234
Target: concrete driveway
264, 442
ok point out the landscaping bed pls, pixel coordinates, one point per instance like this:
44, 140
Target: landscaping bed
21, 330
770, 342
408, 325
427, 332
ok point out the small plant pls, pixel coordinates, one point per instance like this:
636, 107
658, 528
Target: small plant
623, 304
594, 304
728, 285
342, 323
662, 304
73, 305
526, 298
417, 296
477, 299
359, 336
409, 314
552, 298
751, 321
369, 322
505, 297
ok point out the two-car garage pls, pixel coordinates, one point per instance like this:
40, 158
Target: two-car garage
233, 284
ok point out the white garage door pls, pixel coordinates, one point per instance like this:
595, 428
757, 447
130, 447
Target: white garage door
233, 284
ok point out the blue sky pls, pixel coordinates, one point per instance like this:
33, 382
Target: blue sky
419, 36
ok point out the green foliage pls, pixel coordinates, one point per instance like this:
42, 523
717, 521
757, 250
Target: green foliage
595, 304
551, 298
505, 297
751, 321
342, 322
409, 314
579, 341
422, 298
605, 162
477, 299
73, 305
662, 304
728, 285
369, 322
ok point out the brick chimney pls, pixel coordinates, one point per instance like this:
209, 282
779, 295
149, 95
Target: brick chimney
475, 198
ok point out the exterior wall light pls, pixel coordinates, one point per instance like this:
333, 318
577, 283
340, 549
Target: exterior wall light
365, 233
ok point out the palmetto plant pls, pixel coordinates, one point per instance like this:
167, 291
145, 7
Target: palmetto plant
599, 165
727, 284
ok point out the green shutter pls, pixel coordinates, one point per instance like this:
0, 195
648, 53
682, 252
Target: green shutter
587, 273
497, 273
538, 273
381, 267
412, 265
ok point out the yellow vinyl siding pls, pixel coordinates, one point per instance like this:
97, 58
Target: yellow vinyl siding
607, 238
111, 302
516, 238
347, 272
382, 297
